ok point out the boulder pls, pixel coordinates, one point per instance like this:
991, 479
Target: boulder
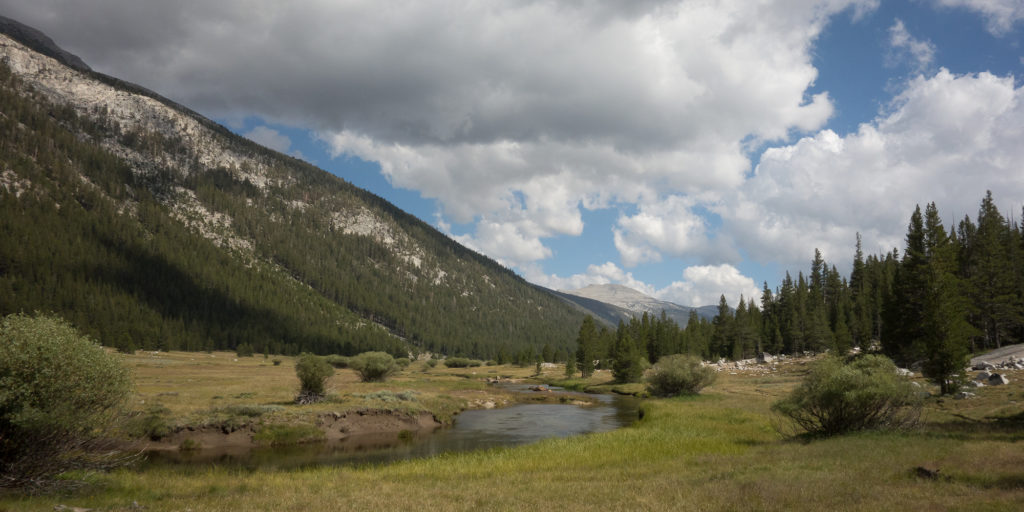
980, 366
983, 376
997, 379
964, 395
903, 372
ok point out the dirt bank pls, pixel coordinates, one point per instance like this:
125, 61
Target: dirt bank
335, 426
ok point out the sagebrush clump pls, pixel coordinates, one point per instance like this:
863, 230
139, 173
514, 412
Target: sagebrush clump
60, 392
373, 366
679, 374
838, 397
313, 372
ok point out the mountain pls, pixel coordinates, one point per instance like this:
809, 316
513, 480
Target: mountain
621, 303
149, 226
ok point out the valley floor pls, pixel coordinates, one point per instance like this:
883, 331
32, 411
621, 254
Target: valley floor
717, 451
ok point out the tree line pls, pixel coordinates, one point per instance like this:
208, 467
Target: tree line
950, 293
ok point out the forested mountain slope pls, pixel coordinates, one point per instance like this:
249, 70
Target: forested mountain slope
149, 226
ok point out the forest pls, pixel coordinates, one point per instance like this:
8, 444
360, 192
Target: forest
101, 242
950, 293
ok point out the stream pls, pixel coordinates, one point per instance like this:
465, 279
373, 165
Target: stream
476, 429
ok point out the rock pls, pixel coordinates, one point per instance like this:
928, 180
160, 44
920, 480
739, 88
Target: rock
983, 376
980, 365
923, 472
765, 357
964, 395
997, 379
976, 383
903, 372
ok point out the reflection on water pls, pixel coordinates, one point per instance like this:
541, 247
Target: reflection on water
473, 430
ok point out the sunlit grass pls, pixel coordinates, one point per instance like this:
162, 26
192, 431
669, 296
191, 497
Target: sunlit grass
719, 450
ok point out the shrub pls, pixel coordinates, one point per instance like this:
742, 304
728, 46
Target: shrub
281, 435
462, 362
338, 361
373, 366
837, 397
152, 424
60, 392
244, 350
313, 372
679, 374
277, 362
431, 363
403, 362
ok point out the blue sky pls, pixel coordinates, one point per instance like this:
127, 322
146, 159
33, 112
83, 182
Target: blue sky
686, 149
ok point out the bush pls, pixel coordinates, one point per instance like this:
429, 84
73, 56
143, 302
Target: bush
462, 362
838, 397
403, 362
338, 361
373, 366
313, 372
60, 392
431, 363
679, 374
244, 350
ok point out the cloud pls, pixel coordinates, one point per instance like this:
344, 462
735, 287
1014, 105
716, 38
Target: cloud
1001, 15
671, 226
704, 285
700, 286
514, 115
946, 138
270, 138
606, 273
922, 53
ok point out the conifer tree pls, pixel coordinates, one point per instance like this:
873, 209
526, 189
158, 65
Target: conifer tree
586, 346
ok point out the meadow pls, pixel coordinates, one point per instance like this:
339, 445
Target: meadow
721, 450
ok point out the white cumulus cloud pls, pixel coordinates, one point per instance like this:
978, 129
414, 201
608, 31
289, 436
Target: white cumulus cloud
1001, 15
946, 138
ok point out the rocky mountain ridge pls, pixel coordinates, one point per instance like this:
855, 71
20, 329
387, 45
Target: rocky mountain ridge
630, 302
166, 178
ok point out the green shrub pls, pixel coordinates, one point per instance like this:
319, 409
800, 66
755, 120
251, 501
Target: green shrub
431, 363
337, 361
837, 397
190, 445
313, 372
462, 362
679, 374
373, 366
279, 435
59, 393
152, 424
403, 362
277, 362
244, 350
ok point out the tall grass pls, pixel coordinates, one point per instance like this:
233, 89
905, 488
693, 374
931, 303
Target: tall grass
715, 451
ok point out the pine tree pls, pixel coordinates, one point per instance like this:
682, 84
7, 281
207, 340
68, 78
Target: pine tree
586, 346
628, 362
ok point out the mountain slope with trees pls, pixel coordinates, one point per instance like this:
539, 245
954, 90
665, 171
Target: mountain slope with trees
148, 226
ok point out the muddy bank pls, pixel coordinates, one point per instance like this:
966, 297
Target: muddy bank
335, 426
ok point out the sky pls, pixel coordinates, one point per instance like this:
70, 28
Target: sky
687, 149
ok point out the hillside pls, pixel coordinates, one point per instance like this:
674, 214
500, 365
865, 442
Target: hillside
613, 302
149, 226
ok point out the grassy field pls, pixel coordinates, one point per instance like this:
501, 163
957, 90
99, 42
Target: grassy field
716, 451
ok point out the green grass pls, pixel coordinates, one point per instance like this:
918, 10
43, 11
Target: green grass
716, 451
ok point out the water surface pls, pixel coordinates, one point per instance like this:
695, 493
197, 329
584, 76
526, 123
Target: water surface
473, 430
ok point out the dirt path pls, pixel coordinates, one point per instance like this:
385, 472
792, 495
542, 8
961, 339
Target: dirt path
1000, 354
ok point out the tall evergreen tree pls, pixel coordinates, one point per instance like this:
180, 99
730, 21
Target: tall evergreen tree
586, 346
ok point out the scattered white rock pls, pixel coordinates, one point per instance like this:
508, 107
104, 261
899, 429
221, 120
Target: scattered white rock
962, 395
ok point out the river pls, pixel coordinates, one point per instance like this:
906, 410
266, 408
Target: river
473, 430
